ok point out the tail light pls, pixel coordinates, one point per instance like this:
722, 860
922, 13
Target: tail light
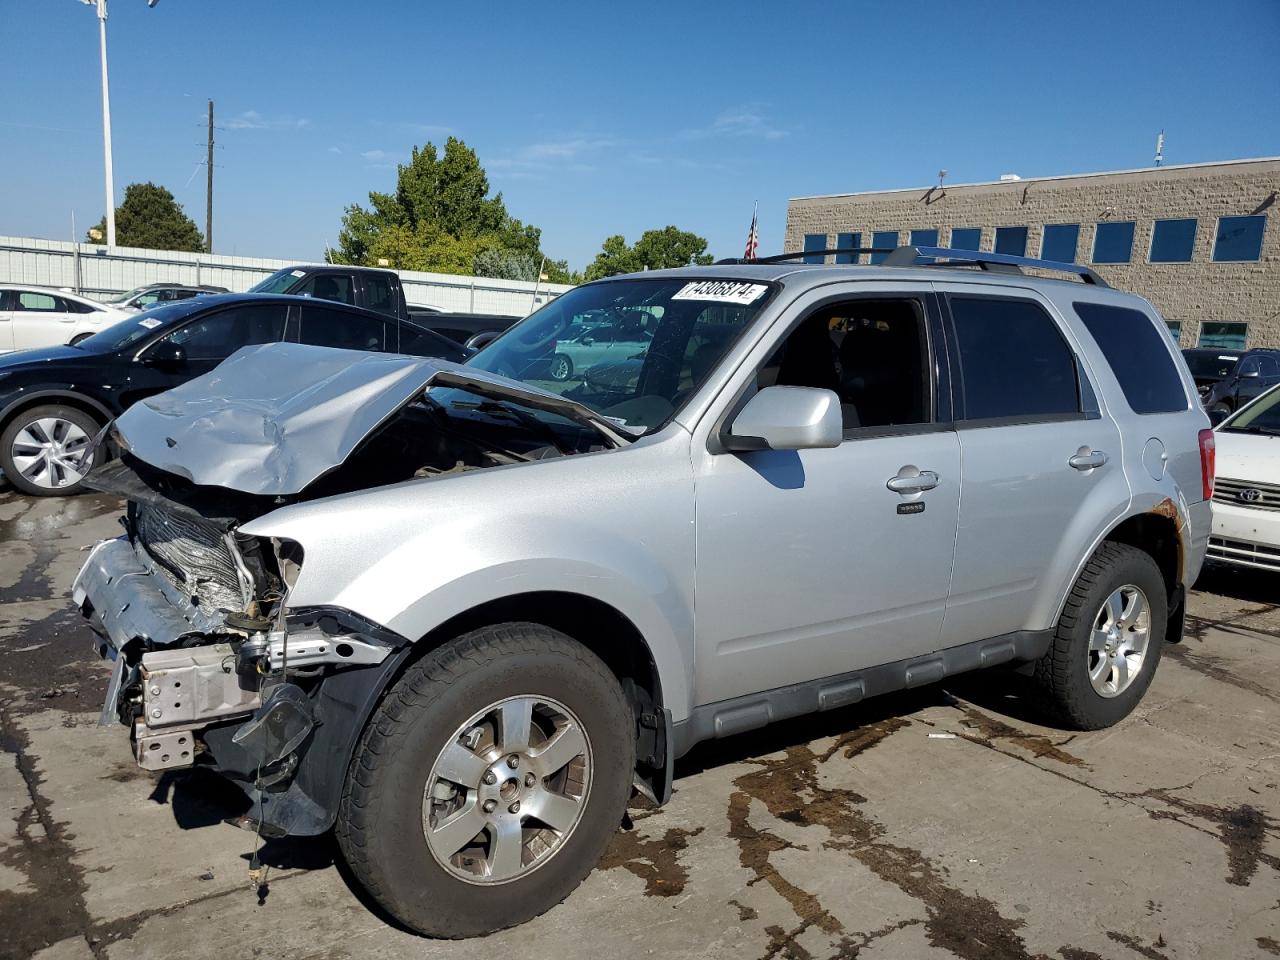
1208, 462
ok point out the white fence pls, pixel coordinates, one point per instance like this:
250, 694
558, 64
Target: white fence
100, 272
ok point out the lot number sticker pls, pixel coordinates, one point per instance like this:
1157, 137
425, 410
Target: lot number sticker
721, 291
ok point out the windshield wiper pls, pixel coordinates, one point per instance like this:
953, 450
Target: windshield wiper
496, 408
1266, 431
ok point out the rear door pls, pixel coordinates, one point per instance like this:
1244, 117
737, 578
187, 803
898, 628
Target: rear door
329, 326
1042, 468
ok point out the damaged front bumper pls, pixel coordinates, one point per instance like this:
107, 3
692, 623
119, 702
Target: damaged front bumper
274, 706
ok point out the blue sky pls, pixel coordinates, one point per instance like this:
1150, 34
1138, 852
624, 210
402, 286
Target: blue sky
606, 118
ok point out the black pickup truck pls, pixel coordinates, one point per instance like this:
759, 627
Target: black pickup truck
380, 291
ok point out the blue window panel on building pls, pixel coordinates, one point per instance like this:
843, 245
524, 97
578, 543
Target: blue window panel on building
846, 241
815, 241
1239, 238
1227, 336
966, 238
1060, 241
1113, 242
1173, 241
1011, 240
924, 238
883, 238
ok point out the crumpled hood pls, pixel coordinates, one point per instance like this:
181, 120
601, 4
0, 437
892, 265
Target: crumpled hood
272, 419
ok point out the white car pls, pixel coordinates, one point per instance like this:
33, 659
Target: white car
32, 317
1246, 494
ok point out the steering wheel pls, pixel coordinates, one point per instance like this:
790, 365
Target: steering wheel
529, 344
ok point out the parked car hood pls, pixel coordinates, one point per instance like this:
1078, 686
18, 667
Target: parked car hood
33, 359
1247, 456
272, 419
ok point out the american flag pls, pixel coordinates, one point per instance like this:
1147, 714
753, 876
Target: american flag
753, 239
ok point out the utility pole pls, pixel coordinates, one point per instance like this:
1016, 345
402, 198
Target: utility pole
208, 208
106, 121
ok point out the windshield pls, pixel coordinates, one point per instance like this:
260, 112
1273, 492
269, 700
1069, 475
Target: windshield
1261, 416
126, 296
136, 328
278, 282
1211, 365
632, 350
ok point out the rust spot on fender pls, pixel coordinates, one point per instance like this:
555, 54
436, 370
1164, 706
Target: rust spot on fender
1169, 510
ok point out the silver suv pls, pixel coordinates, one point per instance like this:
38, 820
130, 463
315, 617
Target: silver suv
460, 612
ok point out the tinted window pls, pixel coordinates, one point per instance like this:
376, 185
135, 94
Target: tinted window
75, 306
417, 342
1173, 241
1113, 242
30, 300
1013, 360
1232, 336
215, 336
815, 241
1059, 242
1011, 240
1211, 364
324, 327
378, 294
1138, 355
1239, 238
328, 286
846, 241
966, 238
883, 238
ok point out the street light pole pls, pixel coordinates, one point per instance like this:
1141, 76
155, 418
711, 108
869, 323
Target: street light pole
106, 123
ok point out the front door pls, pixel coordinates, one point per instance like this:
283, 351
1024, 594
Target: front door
1042, 468
820, 562
40, 320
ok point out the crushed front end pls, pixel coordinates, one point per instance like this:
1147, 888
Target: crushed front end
211, 669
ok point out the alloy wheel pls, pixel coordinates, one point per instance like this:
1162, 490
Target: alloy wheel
1119, 640
52, 453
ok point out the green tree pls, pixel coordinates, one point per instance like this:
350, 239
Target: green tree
441, 218
150, 217
655, 250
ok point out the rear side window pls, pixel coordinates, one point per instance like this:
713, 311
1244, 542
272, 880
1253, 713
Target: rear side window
378, 294
1014, 362
1138, 354
327, 327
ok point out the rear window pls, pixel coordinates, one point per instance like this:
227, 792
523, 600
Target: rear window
1138, 353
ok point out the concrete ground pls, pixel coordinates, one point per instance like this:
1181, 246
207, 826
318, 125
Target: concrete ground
945, 823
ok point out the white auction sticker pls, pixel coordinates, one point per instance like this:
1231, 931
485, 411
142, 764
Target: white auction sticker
721, 291
149, 323
297, 273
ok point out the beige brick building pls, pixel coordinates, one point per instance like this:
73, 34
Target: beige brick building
1201, 241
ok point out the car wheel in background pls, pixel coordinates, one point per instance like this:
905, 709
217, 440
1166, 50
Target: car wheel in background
1221, 407
77, 338
489, 781
1108, 640
46, 451
561, 367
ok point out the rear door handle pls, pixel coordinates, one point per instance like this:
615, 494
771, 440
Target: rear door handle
916, 482
1086, 459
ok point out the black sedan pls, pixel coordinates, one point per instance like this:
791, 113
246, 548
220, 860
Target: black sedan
53, 402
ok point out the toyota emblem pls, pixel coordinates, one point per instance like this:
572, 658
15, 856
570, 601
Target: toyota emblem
1251, 495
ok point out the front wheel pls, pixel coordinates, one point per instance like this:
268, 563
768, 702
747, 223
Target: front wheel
489, 781
1108, 640
561, 367
46, 451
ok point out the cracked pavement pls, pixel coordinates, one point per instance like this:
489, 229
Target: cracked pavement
942, 823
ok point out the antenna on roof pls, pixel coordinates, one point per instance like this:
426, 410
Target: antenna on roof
1160, 148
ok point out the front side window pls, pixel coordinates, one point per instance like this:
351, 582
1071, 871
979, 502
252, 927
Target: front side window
1239, 238
966, 238
633, 350
338, 287
1060, 241
1113, 242
848, 241
815, 241
1011, 241
1014, 361
873, 353
1226, 335
326, 327
1173, 241
215, 336
379, 295
1138, 355
885, 240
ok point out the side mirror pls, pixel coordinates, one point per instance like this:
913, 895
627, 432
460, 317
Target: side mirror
1216, 416
587, 340
787, 418
166, 353
481, 340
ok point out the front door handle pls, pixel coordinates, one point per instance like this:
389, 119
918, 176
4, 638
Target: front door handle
1086, 459
911, 480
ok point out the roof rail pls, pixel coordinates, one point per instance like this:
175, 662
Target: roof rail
908, 256
784, 257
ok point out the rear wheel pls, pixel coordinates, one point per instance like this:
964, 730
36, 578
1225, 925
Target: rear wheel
1108, 640
561, 367
1220, 407
46, 451
489, 781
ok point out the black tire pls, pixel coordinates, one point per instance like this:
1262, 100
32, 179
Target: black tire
1221, 407
1062, 674
561, 367
380, 818
18, 423
77, 338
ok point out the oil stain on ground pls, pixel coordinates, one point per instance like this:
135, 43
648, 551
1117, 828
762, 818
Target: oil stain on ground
656, 862
1242, 829
989, 729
